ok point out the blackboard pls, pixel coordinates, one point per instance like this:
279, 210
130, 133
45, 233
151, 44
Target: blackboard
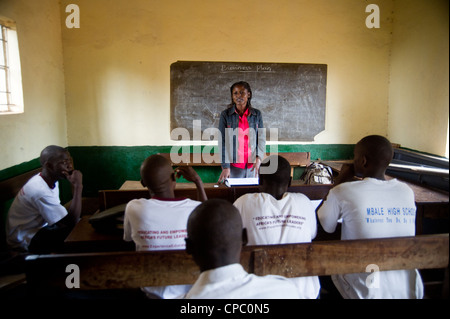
291, 96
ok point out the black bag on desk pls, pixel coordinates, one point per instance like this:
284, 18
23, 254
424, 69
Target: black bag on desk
110, 220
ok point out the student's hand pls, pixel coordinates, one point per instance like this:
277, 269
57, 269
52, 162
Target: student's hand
191, 175
224, 175
346, 174
74, 211
75, 177
348, 170
188, 173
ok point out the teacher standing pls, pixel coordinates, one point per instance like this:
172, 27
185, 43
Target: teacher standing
243, 140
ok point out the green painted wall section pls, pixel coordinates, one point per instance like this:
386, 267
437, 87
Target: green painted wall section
107, 167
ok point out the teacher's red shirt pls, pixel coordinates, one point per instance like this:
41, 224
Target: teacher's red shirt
244, 153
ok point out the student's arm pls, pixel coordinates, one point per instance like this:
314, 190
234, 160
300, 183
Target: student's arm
191, 175
326, 215
347, 174
74, 210
328, 212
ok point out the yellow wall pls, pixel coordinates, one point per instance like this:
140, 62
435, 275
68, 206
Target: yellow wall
117, 63
418, 97
23, 136
111, 76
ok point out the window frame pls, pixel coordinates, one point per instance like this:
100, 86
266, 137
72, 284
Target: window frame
10, 64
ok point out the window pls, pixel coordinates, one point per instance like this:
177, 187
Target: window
11, 95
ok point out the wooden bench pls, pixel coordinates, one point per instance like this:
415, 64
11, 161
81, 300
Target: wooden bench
47, 274
11, 186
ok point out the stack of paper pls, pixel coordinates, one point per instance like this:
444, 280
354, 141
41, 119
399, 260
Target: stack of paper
241, 181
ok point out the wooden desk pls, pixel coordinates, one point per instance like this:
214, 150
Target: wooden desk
136, 185
84, 238
423, 195
431, 205
133, 189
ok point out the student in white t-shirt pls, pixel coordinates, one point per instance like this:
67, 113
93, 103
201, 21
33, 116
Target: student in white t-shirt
159, 223
372, 207
275, 216
37, 222
215, 238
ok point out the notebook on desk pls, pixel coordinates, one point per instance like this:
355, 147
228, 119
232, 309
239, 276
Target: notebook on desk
109, 220
241, 181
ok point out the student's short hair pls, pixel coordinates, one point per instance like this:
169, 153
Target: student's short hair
377, 148
50, 152
282, 174
215, 224
247, 87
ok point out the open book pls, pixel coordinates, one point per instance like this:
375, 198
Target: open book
241, 181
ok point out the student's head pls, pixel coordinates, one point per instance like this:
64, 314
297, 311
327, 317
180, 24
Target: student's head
56, 161
280, 178
157, 173
240, 90
214, 234
373, 154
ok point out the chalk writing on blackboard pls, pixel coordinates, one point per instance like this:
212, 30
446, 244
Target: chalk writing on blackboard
245, 68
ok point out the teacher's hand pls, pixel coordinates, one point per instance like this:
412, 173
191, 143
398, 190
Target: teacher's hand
224, 175
255, 168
